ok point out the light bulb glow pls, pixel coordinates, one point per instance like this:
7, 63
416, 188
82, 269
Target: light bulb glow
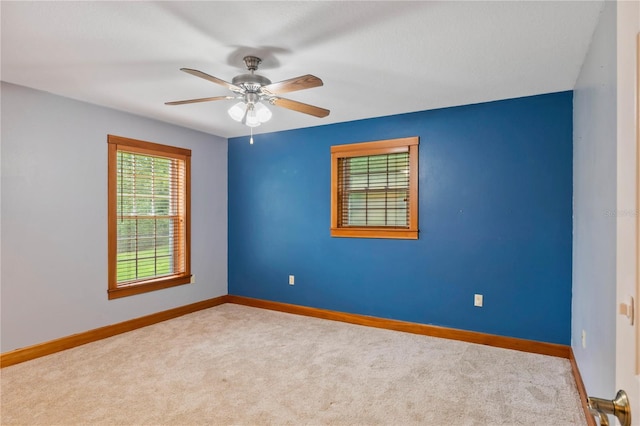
237, 111
253, 114
252, 117
263, 113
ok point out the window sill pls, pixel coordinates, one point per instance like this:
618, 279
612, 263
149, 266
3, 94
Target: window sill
147, 286
391, 233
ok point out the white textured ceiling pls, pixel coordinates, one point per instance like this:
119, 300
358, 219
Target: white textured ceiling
375, 58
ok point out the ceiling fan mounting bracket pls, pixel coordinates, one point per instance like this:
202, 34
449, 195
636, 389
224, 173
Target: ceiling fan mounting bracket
252, 62
251, 83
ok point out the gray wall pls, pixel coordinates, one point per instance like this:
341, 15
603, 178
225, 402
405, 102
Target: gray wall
54, 216
594, 210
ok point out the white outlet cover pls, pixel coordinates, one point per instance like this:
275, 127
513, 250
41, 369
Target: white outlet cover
477, 300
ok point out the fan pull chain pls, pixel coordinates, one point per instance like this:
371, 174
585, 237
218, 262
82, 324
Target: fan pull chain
251, 138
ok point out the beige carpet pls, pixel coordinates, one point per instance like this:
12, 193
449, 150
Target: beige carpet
239, 365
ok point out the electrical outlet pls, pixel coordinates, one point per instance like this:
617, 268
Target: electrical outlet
292, 280
584, 339
193, 279
477, 300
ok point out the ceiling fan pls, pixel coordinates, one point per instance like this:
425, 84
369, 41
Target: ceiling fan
252, 90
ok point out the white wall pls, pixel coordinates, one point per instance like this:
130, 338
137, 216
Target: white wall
54, 216
594, 210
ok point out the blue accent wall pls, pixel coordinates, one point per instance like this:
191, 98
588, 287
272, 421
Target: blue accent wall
495, 218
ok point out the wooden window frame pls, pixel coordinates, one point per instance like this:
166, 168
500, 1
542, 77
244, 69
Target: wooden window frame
144, 285
388, 146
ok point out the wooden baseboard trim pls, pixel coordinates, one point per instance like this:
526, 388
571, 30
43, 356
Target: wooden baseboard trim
36, 351
524, 345
32, 352
581, 389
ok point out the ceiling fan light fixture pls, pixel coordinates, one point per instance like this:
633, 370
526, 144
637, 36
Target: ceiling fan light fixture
252, 117
237, 111
263, 113
254, 91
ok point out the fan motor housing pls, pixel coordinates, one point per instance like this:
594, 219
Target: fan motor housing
251, 82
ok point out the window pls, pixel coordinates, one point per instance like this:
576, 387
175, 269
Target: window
149, 229
374, 189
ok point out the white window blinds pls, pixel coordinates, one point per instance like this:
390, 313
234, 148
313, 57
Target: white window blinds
150, 216
374, 190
